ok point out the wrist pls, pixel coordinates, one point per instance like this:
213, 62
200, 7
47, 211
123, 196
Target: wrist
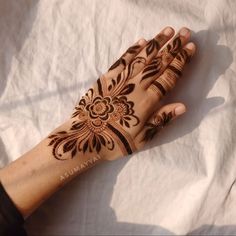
37, 174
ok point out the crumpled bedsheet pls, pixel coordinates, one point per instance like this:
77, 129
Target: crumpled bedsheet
184, 181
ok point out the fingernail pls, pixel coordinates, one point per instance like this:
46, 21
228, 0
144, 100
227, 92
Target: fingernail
190, 46
184, 31
141, 42
168, 31
179, 110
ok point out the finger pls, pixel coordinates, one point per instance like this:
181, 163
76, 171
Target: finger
126, 58
158, 121
148, 53
173, 71
163, 58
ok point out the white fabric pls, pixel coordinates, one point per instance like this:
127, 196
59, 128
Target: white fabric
183, 183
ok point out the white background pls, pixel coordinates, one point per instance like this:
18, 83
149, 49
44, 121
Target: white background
52, 51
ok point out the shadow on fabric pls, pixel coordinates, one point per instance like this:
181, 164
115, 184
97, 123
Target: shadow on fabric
55, 217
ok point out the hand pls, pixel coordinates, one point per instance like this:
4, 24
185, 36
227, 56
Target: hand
118, 115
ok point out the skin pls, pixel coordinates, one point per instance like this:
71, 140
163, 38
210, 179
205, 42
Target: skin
116, 117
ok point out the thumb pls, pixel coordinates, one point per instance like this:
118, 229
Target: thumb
158, 121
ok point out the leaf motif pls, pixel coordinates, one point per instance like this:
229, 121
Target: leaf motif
176, 46
110, 87
149, 68
73, 152
77, 126
127, 118
52, 142
69, 145
98, 147
62, 132
167, 117
157, 46
113, 82
150, 47
127, 89
118, 78
75, 114
117, 63
82, 102
52, 136
133, 49
94, 141
102, 140
85, 147
126, 124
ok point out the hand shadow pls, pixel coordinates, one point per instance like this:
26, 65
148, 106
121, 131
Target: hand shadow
83, 208
90, 194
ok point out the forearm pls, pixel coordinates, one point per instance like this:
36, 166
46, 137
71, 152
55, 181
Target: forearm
37, 174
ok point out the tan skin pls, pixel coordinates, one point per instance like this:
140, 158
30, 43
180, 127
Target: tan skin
116, 117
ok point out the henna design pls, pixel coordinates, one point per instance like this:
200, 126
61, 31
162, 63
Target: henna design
124, 112
183, 56
137, 60
160, 87
152, 69
131, 50
174, 47
94, 127
151, 46
117, 63
159, 122
173, 71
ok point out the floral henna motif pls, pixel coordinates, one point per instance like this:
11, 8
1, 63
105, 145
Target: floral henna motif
159, 122
124, 112
100, 108
95, 121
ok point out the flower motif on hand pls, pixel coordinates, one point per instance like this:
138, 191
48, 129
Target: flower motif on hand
124, 112
100, 108
93, 119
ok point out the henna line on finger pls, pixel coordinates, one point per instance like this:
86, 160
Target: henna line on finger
174, 70
160, 87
